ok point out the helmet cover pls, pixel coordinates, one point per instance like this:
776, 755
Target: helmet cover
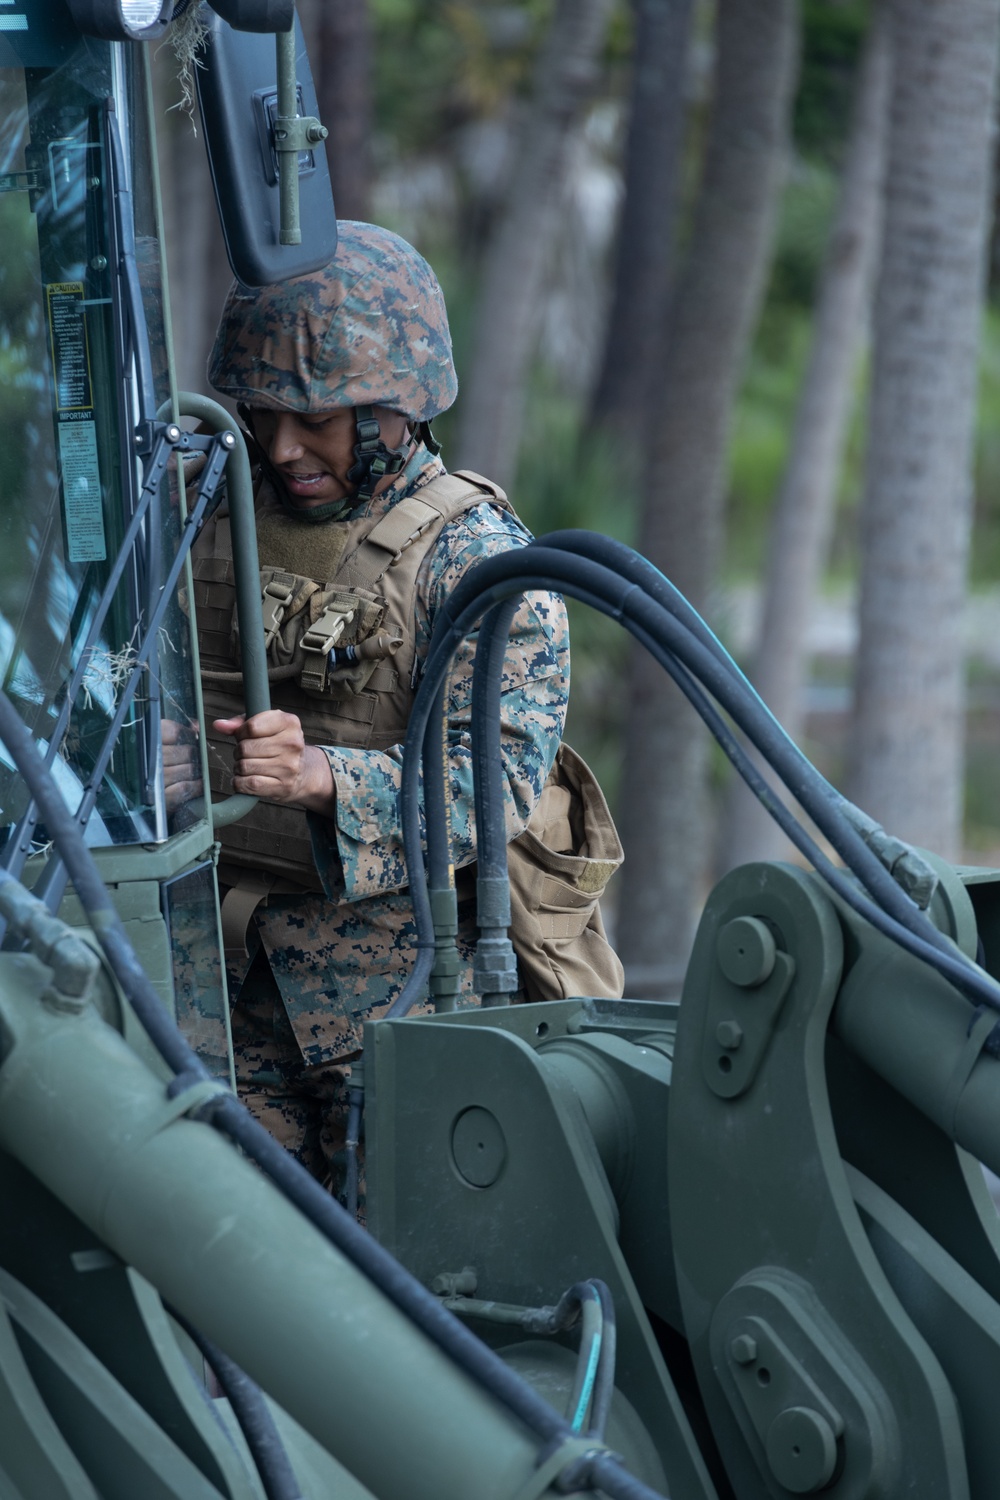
369, 329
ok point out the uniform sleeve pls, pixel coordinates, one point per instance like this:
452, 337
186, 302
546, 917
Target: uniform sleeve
359, 852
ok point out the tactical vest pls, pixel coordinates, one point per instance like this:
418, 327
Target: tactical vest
339, 611
325, 588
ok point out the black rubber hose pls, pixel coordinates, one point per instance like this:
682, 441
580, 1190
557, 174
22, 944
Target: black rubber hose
425, 744
487, 757
580, 1293
498, 578
93, 894
437, 819
639, 570
604, 1385
251, 1411
226, 1113
356, 1101
423, 1309
593, 583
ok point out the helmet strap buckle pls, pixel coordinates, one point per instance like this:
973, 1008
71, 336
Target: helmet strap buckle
372, 459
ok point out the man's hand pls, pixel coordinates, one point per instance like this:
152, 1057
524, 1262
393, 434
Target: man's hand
181, 763
273, 761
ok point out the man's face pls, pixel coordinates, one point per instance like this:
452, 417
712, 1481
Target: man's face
312, 454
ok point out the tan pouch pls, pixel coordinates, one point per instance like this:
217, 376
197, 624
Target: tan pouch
304, 621
559, 868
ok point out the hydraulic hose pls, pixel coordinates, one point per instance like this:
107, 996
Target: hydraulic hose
597, 1469
487, 764
639, 570
675, 642
630, 604
495, 976
588, 1359
604, 1383
251, 1411
356, 1103
93, 894
431, 748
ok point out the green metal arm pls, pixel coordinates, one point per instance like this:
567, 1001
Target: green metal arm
175, 1200
256, 690
292, 133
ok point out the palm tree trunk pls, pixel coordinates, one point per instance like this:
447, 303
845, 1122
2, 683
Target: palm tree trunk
491, 406
644, 255
713, 313
800, 525
907, 741
343, 72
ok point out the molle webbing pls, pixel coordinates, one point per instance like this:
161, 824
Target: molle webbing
377, 559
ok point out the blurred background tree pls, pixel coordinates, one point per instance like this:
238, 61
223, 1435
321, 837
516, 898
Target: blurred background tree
800, 522
668, 225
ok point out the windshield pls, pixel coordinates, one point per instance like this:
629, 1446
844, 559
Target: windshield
68, 472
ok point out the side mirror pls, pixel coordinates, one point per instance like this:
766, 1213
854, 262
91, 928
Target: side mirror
238, 97
256, 15
145, 20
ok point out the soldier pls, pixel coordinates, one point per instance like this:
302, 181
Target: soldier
362, 535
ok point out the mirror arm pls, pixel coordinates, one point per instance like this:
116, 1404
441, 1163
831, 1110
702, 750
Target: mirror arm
293, 134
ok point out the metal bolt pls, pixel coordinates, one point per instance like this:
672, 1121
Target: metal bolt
729, 1034
743, 1349
746, 951
801, 1449
173, 433
229, 440
317, 133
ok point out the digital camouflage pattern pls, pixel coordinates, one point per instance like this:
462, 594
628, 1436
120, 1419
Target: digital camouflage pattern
370, 329
337, 960
340, 959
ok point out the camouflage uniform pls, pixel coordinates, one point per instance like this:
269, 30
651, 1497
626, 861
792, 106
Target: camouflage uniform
320, 965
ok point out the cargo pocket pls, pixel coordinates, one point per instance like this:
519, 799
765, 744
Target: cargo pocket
559, 868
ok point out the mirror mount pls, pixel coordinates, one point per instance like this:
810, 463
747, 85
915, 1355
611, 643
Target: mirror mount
265, 151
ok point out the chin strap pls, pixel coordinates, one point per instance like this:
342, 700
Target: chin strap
372, 459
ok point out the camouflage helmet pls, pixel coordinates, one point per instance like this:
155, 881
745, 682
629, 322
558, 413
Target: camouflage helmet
369, 329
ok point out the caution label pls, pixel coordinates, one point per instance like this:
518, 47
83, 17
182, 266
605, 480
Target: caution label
70, 351
74, 405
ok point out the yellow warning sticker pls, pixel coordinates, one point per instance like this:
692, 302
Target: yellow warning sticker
70, 350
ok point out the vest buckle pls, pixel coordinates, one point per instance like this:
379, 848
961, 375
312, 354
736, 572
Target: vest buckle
275, 600
320, 640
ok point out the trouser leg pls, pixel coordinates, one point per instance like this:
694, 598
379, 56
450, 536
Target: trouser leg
303, 1108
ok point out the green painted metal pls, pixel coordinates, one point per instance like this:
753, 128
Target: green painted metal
239, 490
36, 1457
786, 1307
290, 231
173, 1199
120, 864
124, 1452
778, 1179
109, 1309
959, 1320
487, 1116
